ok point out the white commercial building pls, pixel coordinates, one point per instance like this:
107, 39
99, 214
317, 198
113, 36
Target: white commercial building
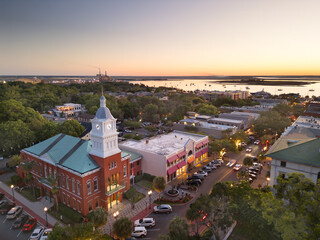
169, 155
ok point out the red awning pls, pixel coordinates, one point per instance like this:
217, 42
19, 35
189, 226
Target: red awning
202, 143
205, 141
198, 154
182, 154
171, 159
199, 145
181, 164
172, 170
205, 150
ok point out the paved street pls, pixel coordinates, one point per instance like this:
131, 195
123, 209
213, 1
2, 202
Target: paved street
221, 174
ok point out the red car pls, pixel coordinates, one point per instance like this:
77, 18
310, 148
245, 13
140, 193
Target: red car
29, 225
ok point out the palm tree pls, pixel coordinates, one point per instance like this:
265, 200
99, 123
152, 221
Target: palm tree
27, 166
122, 228
98, 216
159, 184
53, 182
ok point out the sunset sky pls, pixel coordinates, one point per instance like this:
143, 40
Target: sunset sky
167, 37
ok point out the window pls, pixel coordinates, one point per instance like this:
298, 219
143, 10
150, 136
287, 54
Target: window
112, 165
109, 166
95, 184
67, 182
131, 165
89, 187
78, 187
138, 163
55, 173
90, 207
283, 164
79, 206
73, 186
97, 204
45, 171
68, 200
62, 181
125, 170
64, 198
115, 164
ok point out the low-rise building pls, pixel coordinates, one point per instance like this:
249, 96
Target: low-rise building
247, 118
227, 122
169, 155
67, 110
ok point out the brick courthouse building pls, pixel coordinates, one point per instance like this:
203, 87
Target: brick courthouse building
89, 173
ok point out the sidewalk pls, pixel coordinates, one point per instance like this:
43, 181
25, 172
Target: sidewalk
34, 209
141, 209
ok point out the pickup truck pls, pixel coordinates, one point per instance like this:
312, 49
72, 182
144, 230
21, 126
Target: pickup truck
29, 225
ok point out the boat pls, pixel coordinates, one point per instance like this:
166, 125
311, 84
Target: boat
279, 89
311, 90
247, 88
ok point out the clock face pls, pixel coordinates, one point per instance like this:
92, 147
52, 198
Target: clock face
97, 126
109, 126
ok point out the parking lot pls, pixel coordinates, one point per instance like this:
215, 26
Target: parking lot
7, 233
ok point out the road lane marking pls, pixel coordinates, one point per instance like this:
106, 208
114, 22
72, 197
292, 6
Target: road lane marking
227, 173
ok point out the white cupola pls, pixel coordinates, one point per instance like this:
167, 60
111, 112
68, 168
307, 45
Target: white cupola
104, 135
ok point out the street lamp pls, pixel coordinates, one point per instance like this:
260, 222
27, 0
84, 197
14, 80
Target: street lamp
45, 211
115, 215
12, 186
268, 180
150, 193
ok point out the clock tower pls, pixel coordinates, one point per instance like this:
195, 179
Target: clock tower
104, 135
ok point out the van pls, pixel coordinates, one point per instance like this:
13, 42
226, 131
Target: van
14, 212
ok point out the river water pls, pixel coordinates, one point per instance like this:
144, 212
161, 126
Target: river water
306, 89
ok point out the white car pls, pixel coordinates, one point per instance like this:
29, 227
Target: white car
145, 222
256, 142
231, 163
139, 232
201, 173
237, 167
45, 234
14, 212
36, 233
249, 149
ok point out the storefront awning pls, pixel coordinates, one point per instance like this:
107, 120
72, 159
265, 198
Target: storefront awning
198, 154
182, 154
181, 164
172, 170
171, 159
202, 143
205, 150
190, 159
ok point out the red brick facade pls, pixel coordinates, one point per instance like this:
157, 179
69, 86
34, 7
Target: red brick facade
84, 192
135, 168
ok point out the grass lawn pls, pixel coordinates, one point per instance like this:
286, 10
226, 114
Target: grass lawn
146, 184
68, 214
28, 193
133, 195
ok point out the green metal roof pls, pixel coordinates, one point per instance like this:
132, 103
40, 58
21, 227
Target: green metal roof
38, 148
133, 156
67, 151
307, 152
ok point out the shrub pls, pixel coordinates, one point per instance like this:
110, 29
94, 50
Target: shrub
151, 128
148, 177
128, 136
138, 178
15, 179
137, 137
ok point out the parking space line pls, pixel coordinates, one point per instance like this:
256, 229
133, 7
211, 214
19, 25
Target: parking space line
4, 220
19, 233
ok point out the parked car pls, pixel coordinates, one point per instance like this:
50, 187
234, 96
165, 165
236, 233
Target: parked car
20, 221
163, 208
220, 161
145, 222
45, 234
212, 166
195, 182
201, 173
237, 167
250, 180
253, 176
256, 142
194, 176
206, 169
3, 202
139, 232
216, 163
258, 165
243, 144
6, 208
14, 212
231, 163
29, 224
249, 149
36, 234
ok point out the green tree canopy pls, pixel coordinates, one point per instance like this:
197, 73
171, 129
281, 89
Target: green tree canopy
71, 127
98, 216
207, 109
122, 228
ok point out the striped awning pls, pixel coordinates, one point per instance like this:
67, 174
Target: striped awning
181, 164
198, 154
202, 143
172, 170
182, 154
171, 159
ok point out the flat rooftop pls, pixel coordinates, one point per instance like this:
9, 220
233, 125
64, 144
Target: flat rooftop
164, 144
226, 120
215, 126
